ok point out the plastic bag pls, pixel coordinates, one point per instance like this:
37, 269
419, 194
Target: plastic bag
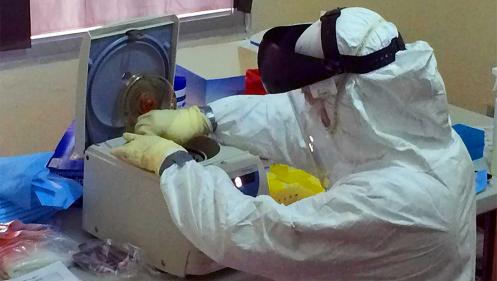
28, 247
106, 258
116, 261
66, 162
493, 161
26, 175
17, 174
288, 185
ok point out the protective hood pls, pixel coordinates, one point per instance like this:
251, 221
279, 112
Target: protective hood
400, 203
282, 69
397, 113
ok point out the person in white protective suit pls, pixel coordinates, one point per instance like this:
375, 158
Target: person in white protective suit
365, 113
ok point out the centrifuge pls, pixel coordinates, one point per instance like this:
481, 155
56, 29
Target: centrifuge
127, 70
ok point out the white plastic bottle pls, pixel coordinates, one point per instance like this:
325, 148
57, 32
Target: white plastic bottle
180, 90
493, 167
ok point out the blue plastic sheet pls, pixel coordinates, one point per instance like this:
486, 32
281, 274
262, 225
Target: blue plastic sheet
29, 192
39, 214
65, 161
55, 191
481, 181
17, 174
473, 138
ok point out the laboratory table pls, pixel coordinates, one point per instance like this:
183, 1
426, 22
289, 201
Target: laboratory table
486, 209
486, 202
70, 222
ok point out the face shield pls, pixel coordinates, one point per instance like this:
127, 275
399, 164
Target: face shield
315, 109
282, 69
312, 79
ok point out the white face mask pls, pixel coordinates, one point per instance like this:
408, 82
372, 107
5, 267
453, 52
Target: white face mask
315, 110
322, 96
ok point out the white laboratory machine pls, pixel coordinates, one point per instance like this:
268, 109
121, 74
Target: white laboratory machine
127, 70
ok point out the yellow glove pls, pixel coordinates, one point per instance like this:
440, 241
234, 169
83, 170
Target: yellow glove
146, 152
179, 125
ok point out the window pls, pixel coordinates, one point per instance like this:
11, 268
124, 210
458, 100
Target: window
51, 16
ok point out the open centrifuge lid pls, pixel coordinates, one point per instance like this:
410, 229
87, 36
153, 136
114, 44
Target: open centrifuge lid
125, 69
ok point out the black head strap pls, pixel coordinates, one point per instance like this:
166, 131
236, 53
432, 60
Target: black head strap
329, 34
282, 69
373, 61
354, 64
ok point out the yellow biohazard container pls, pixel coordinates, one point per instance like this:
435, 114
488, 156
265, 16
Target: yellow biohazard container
288, 185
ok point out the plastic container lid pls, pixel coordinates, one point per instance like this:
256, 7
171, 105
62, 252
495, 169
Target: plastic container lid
116, 54
179, 83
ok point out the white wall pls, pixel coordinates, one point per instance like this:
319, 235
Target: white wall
463, 34
37, 97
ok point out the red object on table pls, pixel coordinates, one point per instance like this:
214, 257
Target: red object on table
253, 83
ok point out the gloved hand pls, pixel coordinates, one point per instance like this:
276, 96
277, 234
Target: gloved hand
179, 125
147, 152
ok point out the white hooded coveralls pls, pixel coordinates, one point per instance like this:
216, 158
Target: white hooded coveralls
403, 205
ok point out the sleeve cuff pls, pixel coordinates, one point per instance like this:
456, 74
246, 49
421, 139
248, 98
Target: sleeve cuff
209, 114
178, 157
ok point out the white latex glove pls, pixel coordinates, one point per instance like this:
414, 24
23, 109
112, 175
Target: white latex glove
179, 125
146, 152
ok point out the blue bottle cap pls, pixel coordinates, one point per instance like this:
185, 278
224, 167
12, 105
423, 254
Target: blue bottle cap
179, 83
